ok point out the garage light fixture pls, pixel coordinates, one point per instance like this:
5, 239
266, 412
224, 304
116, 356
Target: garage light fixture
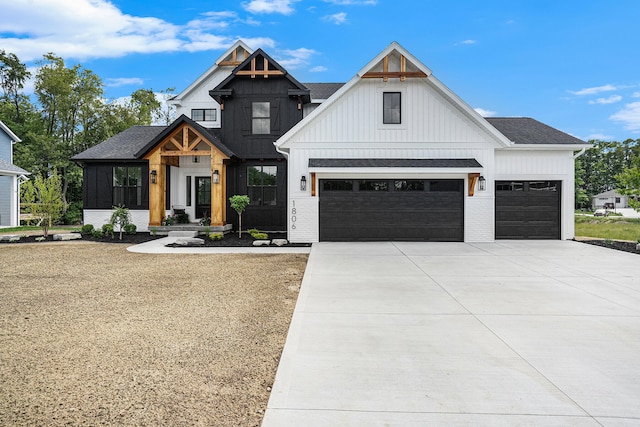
303, 183
154, 176
216, 177
482, 183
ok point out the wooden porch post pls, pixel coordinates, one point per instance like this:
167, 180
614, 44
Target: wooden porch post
156, 191
218, 191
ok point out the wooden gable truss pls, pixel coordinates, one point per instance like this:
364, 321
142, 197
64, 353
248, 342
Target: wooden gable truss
400, 70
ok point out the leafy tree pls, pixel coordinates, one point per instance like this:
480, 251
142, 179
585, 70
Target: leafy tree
581, 197
42, 197
120, 217
13, 74
239, 204
144, 102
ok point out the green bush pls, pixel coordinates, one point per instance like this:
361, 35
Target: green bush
107, 230
130, 228
86, 229
74, 213
260, 236
253, 231
182, 218
216, 236
97, 233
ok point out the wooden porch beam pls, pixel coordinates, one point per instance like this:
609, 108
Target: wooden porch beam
393, 74
473, 179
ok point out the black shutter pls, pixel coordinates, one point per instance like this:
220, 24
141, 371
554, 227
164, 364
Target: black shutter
275, 115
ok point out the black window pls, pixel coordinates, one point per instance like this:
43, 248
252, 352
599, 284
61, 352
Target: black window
543, 186
127, 186
260, 118
444, 185
336, 185
373, 186
188, 190
391, 108
617, 199
204, 114
510, 186
409, 185
261, 185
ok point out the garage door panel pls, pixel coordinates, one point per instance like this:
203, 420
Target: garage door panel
392, 215
528, 209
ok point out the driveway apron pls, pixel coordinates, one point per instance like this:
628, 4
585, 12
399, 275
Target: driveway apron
514, 333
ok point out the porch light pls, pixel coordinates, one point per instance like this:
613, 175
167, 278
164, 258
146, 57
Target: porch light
303, 183
482, 183
216, 177
154, 176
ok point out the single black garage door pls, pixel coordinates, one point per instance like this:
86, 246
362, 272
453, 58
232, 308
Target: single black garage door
392, 209
528, 209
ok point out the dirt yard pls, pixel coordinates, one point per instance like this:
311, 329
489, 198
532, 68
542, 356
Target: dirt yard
91, 334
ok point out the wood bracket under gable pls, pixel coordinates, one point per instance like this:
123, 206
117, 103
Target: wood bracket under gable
473, 178
265, 72
385, 74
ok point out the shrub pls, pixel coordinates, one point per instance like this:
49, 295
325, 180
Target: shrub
216, 236
170, 220
205, 221
130, 229
182, 218
107, 230
86, 229
260, 236
97, 233
153, 231
73, 215
253, 231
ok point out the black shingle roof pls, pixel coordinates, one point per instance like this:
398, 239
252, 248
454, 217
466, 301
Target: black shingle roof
394, 163
524, 130
323, 90
122, 146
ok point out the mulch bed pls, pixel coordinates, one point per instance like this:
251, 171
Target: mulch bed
230, 239
617, 245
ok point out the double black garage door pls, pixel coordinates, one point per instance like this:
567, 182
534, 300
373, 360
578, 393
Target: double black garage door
392, 209
432, 210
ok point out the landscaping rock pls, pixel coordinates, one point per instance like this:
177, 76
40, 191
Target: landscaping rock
67, 236
9, 237
190, 241
261, 242
279, 242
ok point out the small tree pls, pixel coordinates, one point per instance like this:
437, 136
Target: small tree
120, 217
239, 203
629, 185
43, 199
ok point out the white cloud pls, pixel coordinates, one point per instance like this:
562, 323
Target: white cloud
83, 29
123, 81
594, 90
599, 137
336, 18
269, 6
318, 69
467, 42
259, 42
485, 113
296, 58
629, 116
635, 95
610, 100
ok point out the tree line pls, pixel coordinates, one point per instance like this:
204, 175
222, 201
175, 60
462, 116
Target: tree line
66, 114
608, 165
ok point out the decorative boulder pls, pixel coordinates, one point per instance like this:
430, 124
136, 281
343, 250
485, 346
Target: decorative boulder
190, 241
279, 242
261, 242
67, 236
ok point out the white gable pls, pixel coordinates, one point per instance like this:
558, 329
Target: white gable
430, 112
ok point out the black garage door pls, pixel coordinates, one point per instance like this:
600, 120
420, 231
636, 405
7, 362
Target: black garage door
392, 209
528, 209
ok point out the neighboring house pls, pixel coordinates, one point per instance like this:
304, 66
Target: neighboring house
391, 155
395, 155
609, 200
11, 176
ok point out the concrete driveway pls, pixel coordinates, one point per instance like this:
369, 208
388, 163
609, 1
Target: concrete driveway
511, 333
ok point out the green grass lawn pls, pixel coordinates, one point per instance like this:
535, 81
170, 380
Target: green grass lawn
616, 228
33, 229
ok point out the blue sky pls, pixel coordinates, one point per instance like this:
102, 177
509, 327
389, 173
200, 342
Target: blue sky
574, 65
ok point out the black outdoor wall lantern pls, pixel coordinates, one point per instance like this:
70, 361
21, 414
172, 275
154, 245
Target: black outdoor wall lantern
303, 183
154, 176
216, 177
482, 183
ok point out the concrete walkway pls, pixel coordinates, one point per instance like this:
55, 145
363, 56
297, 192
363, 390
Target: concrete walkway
497, 334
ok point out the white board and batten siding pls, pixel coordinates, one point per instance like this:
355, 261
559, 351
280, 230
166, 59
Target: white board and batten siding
99, 217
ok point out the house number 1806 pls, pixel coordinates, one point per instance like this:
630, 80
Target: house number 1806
293, 215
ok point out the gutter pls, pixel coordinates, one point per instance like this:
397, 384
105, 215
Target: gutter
579, 153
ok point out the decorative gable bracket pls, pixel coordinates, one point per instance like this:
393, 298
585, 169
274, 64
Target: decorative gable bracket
386, 74
265, 72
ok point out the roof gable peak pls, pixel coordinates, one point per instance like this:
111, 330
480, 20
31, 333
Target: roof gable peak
394, 62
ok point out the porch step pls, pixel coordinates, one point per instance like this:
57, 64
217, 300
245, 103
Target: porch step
183, 233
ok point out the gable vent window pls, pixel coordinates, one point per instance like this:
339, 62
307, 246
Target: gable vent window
260, 118
391, 108
204, 114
